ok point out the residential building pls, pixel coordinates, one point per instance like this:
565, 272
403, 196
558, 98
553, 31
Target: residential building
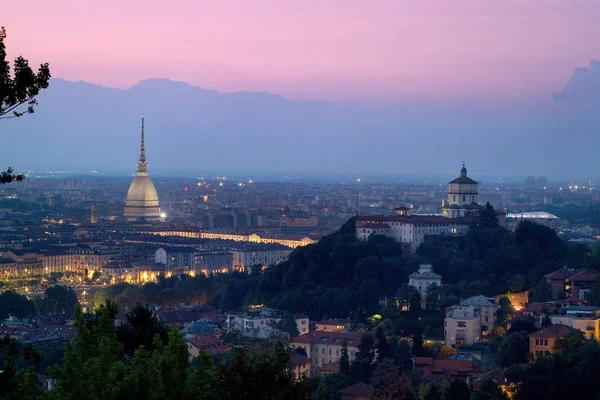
301, 365
334, 325
442, 369
248, 256
567, 282
462, 325
410, 231
423, 279
543, 342
486, 308
259, 317
589, 324
326, 347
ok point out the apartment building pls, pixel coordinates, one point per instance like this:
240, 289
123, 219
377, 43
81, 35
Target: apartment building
324, 348
462, 325
543, 342
486, 308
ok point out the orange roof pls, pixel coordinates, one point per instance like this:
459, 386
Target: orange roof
419, 361
553, 331
584, 276
535, 308
331, 367
562, 273
449, 367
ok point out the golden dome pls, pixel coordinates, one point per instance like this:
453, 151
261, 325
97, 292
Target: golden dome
142, 198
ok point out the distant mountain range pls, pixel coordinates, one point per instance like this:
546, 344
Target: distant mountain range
82, 125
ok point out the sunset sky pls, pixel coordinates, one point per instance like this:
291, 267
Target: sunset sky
494, 50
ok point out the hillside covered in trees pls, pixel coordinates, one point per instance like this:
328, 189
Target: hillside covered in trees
341, 276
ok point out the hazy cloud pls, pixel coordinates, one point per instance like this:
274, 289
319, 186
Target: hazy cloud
583, 89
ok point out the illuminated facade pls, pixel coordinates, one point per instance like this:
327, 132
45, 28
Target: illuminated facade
288, 241
462, 198
245, 259
142, 198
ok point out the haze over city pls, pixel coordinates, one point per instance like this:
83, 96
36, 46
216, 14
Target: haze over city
401, 88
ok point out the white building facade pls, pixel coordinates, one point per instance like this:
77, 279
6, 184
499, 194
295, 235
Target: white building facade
423, 279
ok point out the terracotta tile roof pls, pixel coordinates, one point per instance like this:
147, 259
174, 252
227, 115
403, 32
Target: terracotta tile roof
331, 367
449, 367
351, 338
562, 273
574, 300
420, 361
553, 331
535, 308
584, 276
360, 389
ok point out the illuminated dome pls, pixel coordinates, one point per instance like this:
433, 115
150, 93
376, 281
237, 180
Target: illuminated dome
142, 198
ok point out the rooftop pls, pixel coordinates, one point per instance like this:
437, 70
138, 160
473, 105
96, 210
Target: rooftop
478, 301
351, 338
553, 331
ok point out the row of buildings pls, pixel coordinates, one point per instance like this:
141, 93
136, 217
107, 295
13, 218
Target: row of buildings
128, 263
458, 210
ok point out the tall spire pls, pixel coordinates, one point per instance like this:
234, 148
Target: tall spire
143, 144
142, 164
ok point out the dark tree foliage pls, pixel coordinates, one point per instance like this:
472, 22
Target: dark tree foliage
570, 374
418, 349
432, 392
142, 329
542, 292
16, 89
487, 217
22, 86
489, 390
288, 325
345, 360
18, 380
490, 259
514, 349
362, 365
382, 345
457, 390
59, 299
388, 383
12, 303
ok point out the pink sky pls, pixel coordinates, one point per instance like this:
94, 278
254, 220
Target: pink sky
321, 49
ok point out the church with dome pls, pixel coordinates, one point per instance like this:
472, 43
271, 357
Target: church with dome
141, 202
462, 198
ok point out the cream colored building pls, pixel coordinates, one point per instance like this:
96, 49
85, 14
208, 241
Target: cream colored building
324, 348
462, 198
486, 309
334, 325
423, 279
588, 325
462, 325
245, 258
